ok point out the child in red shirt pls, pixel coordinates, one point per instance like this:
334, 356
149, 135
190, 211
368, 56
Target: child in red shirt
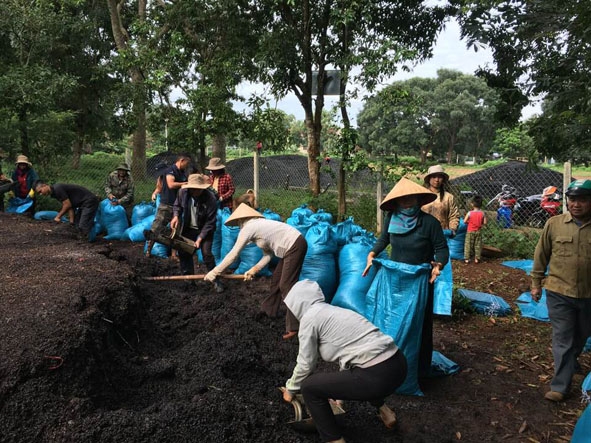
475, 219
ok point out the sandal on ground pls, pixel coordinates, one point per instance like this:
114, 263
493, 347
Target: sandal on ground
289, 335
476, 261
466, 261
388, 416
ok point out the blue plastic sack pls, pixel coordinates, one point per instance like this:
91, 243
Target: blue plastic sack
352, 289
141, 211
346, 230
320, 262
321, 216
443, 291
302, 210
582, 432
216, 245
456, 244
135, 233
49, 215
538, 310
301, 222
587, 347
526, 265
17, 205
158, 250
229, 236
250, 256
488, 304
396, 303
270, 215
113, 219
441, 365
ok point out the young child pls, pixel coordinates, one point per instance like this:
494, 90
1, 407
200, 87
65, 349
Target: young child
475, 219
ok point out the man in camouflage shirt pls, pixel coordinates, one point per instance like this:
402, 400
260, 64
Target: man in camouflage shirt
119, 188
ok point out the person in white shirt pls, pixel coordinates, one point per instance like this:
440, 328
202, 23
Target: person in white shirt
371, 365
277, 239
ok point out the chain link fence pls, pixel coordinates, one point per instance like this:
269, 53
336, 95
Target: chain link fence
511, 191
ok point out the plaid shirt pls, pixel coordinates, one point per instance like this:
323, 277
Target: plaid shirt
224, 186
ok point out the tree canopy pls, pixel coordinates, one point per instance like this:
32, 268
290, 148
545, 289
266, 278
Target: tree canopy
453, 113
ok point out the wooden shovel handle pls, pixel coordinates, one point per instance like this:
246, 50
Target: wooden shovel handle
193, 277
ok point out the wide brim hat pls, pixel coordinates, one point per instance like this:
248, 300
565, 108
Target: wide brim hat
435, 169
215, 163
23, 159
241, 213
123, 166
196, 181
404, 188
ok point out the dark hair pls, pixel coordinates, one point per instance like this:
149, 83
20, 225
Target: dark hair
477, 201
38, 183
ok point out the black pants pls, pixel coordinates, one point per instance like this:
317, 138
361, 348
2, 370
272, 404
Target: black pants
371, 384
84, 216
187, 260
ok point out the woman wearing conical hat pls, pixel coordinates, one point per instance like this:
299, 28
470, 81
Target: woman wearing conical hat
415, 238
277, 239
444, 207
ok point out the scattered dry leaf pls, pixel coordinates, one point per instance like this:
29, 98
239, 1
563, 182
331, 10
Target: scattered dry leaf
523, 427
459, 435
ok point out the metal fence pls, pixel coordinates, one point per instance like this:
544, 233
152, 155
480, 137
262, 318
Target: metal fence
511, 191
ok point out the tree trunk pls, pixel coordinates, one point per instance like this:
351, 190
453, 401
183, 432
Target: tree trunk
450, 149
313, 154
122, 38
138, 156
77, 149
218, 148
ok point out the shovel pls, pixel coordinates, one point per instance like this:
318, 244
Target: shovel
194, 277
176, 241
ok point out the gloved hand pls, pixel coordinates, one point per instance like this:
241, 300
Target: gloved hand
31, 193
249, 275
210, 277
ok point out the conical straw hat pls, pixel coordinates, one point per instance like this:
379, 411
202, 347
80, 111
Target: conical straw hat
242, 212
403, 188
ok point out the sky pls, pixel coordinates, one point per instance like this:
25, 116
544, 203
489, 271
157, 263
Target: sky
450, 52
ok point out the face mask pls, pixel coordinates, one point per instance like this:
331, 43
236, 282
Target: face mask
410, 212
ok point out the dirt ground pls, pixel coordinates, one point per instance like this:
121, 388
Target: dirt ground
90, 351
